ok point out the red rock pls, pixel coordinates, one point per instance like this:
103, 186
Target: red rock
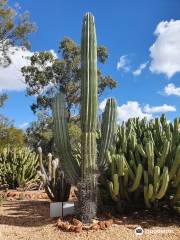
76, 222
95, 226
72, 228
78, 229
59, 223
109, 222
102, 225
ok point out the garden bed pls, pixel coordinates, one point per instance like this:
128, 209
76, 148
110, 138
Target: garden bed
29, 219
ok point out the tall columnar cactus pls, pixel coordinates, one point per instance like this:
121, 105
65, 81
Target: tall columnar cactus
56, 187
89, 105
82, 171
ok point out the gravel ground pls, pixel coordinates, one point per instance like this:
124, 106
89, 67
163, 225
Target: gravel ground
29, 220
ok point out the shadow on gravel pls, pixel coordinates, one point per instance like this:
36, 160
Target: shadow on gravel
25, 213
36, 213
147, 218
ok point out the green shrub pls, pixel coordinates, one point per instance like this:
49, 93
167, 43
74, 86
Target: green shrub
18, 166
145, 163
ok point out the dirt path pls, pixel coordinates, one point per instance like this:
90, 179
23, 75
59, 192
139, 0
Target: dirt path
29, 220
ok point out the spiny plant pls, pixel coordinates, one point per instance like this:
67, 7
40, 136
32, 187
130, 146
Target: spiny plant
82, 170
146, 160
18, 167
56, 187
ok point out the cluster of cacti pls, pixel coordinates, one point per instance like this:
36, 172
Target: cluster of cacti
81, 169
145, 161
56, 187
18, 167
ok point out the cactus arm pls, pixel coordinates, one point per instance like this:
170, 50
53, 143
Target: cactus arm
114, 187
164, 154
164, 186
141, 150
131, 174
137, 180
62, 142
156, 178
175, 164
177, 179
120, 164
147, 202
145, 175
150, 155
150, 191
108, 131
49, 165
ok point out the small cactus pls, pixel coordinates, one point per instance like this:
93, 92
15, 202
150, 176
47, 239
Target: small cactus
56, 187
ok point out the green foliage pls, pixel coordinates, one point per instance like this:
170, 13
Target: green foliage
54, 182
18, 166
14, 30
47, 75
9, 135
150, 162
40, 133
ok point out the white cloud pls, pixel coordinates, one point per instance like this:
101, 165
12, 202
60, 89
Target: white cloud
11, 78
103, 104
133, 109
123, 63
139, 70
24, 125
129, 110
159, 109
171, 89
165, 52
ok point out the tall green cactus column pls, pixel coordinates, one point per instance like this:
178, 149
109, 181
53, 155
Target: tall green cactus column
89, 105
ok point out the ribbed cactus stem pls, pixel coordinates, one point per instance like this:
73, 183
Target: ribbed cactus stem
49, 165
89, 105
150, 156
156, 178
114, 187
164, 185
62, 141
175, 164
108, 130
137, 180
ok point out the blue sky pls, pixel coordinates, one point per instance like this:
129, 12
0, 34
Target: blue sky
143, 40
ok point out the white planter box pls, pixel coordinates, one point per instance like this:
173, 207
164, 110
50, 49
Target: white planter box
61, 209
